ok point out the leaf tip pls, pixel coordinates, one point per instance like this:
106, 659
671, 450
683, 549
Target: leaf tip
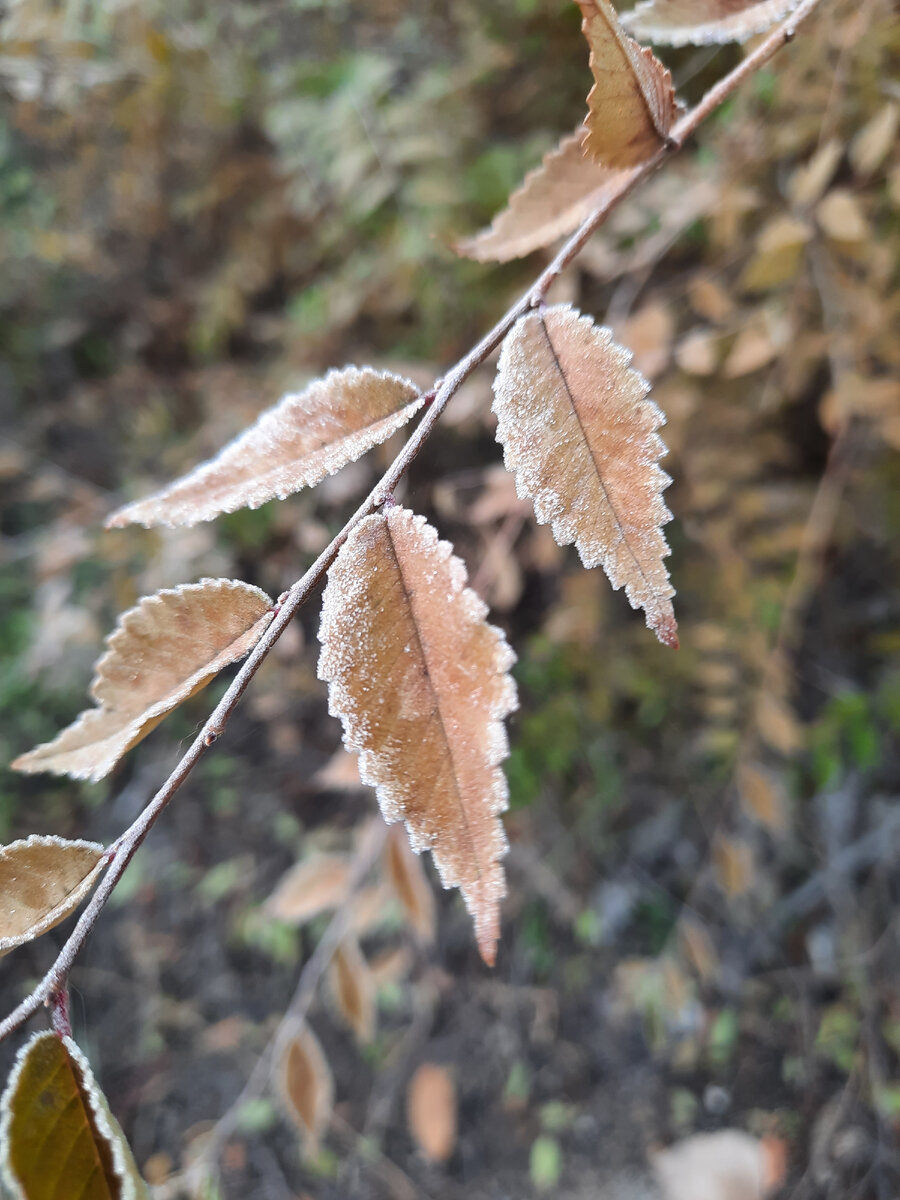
666, 629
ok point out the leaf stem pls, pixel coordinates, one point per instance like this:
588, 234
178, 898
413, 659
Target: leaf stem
128, 844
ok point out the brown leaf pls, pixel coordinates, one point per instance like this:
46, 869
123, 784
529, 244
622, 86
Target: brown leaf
733, 861
353, 988
305, 437
161, 652
420, 682
307, 1087
551, 202
580, 435
431, 1111
704, 22
42, 881
871, 146
58, 1138
631, 106
405, 871
316, 884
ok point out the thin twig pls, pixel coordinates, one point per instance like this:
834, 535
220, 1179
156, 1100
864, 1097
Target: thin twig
130, 841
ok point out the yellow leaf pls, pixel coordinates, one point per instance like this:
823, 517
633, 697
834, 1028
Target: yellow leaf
305, 437
160, 654
704, 22
841, 219
580, 436
42, 881
872, 144
431, 1111
808, 182
631, 106
421, 683
58, 1139
552, 202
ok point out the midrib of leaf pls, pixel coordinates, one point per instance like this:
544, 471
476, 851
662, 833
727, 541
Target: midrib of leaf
562, 374
408, 596
77, 1097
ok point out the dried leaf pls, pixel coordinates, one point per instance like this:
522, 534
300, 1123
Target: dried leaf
353, 988
431, 1111
808, 183
871, 146
317, 884
779, 250
841, 219
421, 683
762, 797
698, 352
305, 437
58, 1138
307, 1087
733, 860
648, 333
552, 202
631, 106
42, 881
704, 22
161, 653
405, 871
580, 435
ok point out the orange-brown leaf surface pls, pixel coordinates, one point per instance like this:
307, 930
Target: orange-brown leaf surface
431, 1111
410, 883
631, 106
162, 651
580, 435
318, 883
307, 1087
421, 683
42, 881
552, 201
306, 436
704, 22
353, 988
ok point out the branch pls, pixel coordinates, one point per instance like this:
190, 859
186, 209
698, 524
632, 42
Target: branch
122, 852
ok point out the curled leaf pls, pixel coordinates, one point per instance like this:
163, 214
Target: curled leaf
162, 651
307, 1087
310, 887
58, 1138
704, 22
552, 201
580, 435
632, 105
420, 681
305, 437
42, 881
410, 883
431, 1111
353, 988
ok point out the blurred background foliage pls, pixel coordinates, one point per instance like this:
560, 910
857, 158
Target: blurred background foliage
202, 205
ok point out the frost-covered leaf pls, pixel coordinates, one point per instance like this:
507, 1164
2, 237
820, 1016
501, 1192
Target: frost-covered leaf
305, 437
420, 681
580, 435
318, 883
42, 881
431, 1111
58, 1139
632, 105
162, 651
704, 22
552, 201
410, 883
353, 988
307, 1087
